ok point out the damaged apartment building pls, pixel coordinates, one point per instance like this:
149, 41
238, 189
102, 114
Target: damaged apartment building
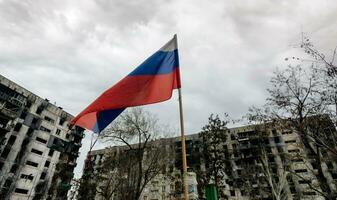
248, 159
38, 152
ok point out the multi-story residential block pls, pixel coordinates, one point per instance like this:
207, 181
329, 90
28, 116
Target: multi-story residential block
254, 160
37, 148
166, 186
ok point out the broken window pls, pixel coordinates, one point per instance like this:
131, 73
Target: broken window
30, 132
51, 152
28, 177
43, 175
42, 128
23, 115
5, 153
31, 163
11, 140
37, 151
41, 140
14, 168
17, 127
49, 119
21, 191
47, 163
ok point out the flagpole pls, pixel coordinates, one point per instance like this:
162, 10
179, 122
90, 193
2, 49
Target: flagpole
182, 136
183, 146
92, 144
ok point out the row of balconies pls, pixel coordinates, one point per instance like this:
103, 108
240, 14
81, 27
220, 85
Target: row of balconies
35, 125
17, 101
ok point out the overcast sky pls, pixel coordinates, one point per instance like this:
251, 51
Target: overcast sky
71, 51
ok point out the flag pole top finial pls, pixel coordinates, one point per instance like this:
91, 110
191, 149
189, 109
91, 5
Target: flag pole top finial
175, 40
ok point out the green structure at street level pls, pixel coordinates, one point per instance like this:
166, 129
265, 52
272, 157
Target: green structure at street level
211, 192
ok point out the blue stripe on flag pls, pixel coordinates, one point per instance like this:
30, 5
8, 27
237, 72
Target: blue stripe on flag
105, 117
161, 62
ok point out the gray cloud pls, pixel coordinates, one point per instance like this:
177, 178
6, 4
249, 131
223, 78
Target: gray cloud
71, 51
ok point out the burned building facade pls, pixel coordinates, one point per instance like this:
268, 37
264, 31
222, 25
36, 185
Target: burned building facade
38, 152
256, 164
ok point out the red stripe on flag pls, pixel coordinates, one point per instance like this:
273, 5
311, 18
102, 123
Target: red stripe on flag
87, 121
131, 91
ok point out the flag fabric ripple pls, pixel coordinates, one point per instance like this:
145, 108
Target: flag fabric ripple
151, 82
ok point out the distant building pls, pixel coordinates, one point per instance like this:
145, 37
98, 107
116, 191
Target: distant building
161, 187
37, 150
244, 176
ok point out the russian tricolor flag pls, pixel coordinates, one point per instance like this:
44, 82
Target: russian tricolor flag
151, 82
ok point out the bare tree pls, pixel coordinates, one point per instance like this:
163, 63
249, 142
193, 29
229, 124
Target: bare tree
262, 164
325, 66
276, 181
298, 100
143, 155
329, 62
108, 175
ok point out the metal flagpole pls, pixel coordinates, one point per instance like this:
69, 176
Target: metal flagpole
183, 146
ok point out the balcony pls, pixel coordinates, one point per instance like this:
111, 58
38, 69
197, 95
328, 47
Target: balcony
8, 113
18, 101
